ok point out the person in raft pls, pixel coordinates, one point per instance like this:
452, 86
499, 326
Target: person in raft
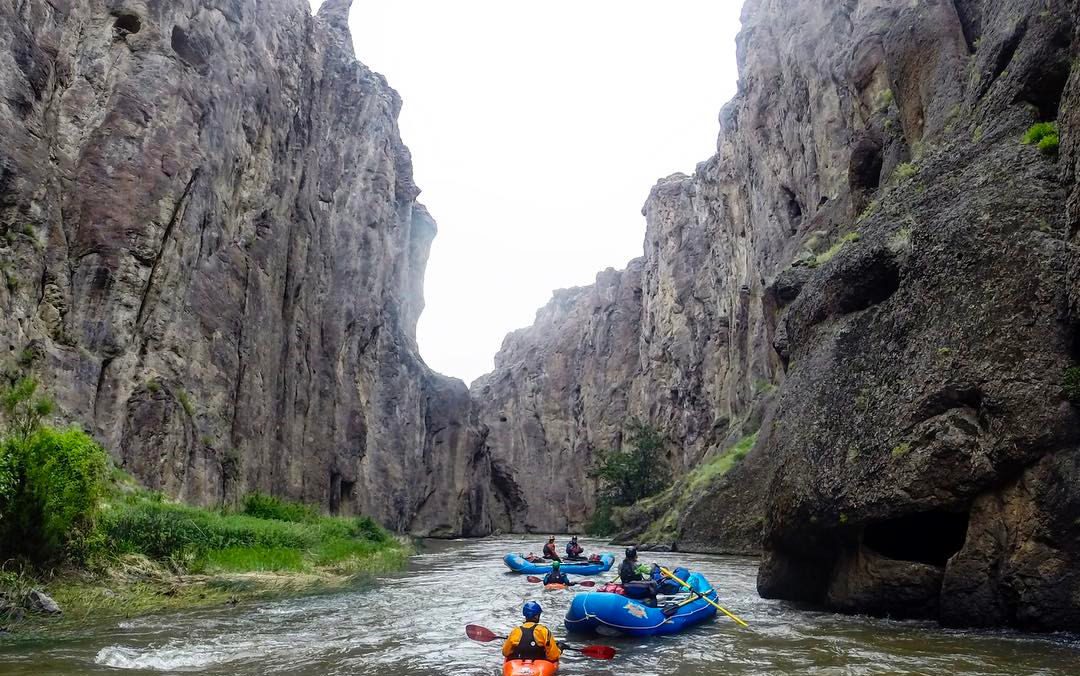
550, 552
532, 640
574, 550
556, 576
634, 582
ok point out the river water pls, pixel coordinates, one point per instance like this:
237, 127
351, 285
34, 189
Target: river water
412, 623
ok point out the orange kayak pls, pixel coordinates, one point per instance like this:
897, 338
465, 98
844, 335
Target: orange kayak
530, 668
554, 585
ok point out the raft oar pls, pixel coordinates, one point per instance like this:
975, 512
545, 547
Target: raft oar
738, 620
485, 635
583, 583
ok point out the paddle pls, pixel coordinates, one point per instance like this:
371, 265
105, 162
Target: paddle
485, 635
738, 620
582, 583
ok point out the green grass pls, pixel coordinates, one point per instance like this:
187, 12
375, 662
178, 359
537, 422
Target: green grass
827, 255
900, 450
1037, 132
722, 464
264, 506
869, 211
884, 100
202, 540
904, 172
258, 559
1043, 135
1049, 145
185, 401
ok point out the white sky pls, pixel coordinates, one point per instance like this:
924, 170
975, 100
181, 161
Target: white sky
537, 130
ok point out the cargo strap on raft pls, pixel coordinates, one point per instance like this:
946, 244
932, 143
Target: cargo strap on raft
738, 620
670, 609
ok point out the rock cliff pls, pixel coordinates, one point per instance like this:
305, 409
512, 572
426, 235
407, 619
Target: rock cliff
878, 278
213, 254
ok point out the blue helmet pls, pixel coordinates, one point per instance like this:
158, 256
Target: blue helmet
531, 609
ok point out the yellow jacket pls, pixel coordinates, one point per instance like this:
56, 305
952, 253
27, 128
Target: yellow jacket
542, 636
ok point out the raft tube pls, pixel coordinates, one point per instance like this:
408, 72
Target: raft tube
609, 613
530, 668
518, 564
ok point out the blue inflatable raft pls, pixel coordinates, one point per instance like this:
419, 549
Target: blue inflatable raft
606, 613
519, 564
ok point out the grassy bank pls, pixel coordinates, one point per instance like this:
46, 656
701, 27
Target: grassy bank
88, 536
149, 555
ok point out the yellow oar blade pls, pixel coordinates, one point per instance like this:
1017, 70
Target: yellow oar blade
738, 620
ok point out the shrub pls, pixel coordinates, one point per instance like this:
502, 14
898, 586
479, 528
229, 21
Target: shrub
1039, 131
56, 480
884, 100
185, 401
905, 171
1071, 384
627, 476
263, 506
24, 409
1049, 145
900, 450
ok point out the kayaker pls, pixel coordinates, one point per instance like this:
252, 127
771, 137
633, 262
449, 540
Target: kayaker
550, 552
532, 640
556, 576
635, 585
628, 571
574, 550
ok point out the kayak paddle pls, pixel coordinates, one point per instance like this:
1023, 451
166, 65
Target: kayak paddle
485, 635
583, 583
738, 620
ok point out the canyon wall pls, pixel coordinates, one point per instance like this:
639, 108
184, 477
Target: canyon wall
213, 256
876, 277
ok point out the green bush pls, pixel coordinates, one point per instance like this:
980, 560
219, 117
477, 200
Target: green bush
56, 479
264, 506
24, 410
629, 475
1039, 131
1049, 145
1071, 384
905, 171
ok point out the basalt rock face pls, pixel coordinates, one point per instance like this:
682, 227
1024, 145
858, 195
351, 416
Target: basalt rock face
878, 275
214, 256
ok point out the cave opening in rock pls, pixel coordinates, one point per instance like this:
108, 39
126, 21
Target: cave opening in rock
1044, 90
128, 23
928, 537
864, 168
871, 284
348, 496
